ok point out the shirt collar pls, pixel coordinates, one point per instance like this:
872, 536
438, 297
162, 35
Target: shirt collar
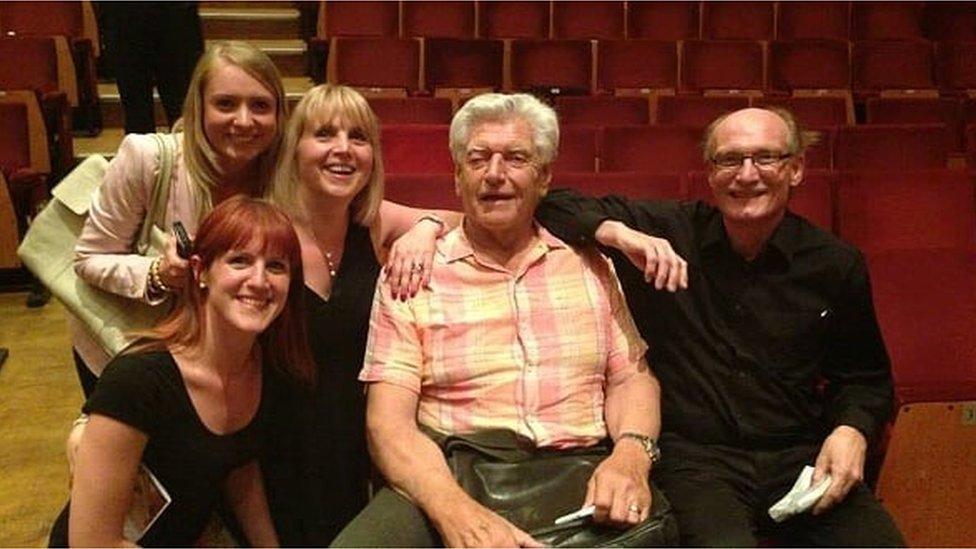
784, 242
456, 246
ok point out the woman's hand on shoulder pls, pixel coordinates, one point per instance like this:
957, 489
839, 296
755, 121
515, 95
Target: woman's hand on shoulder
409, 262
173, 268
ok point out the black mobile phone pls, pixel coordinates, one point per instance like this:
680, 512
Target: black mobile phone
184, 246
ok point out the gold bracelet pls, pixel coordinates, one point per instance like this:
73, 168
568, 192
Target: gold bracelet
156, 283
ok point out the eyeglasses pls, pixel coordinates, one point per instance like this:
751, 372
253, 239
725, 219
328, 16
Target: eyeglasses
761, 160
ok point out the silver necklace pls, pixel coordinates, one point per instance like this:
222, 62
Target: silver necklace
333, 265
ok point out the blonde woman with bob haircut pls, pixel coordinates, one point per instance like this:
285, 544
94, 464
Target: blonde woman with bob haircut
227, 142
330, 181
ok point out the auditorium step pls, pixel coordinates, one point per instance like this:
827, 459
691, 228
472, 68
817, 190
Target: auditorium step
268, 21
108, 142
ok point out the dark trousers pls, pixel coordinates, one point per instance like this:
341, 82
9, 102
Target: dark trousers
153, 44
721, 496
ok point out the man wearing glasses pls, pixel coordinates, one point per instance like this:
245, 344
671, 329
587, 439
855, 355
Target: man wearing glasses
766, 345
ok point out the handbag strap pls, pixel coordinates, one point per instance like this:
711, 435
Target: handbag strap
159, 198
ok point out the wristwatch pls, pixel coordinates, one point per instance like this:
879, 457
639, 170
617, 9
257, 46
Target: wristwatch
649, 444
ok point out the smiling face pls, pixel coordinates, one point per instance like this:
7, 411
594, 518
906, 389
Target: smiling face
334, 157
500, 181
246, 288
239, 116
747, 192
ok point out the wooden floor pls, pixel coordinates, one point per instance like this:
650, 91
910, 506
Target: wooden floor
39, 397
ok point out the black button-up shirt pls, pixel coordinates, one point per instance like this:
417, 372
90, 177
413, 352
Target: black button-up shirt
764, 353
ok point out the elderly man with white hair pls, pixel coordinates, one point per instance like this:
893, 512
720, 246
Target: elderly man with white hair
518, 333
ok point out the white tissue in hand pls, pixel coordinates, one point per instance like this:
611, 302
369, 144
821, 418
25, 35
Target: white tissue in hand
801, 497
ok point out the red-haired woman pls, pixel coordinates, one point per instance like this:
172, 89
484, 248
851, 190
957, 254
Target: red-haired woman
190, 403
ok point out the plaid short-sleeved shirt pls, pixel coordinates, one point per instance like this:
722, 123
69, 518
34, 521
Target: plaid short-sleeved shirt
530, 351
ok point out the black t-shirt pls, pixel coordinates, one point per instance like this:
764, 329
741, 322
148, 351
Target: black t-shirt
146, 391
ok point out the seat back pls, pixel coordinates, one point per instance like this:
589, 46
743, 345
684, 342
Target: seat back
445, 19
695, 111
891, 147
575, 20
602, 110
664, 20
923, 110
887, 20
721, 64
813, 20
635, 185
374, 18
551, 64
389, 63
422, 190
36, 139
412, 110
879, 66
579, 147
416, 148
949, 21
815, 111
453, 63
956, 70
636, 65
737, 20
655, 149
14, 138
515, 19
791, 65
925, 209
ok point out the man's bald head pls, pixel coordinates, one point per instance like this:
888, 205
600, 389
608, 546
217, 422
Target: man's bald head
776, 119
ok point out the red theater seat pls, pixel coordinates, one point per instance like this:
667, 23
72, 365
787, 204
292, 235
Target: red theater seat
826, 111
809, 65
695, 111
578, 149
637, 65
971, 146
412, 110
723, 65
452, 63
416, 149
663, 20
602, 110
514, 19
928, 110
656, 149
737, 20
425, 190
389, 63
812, 199
444, 19
956, 69
813, 20
880, 66
907, 210
24, 168
637, 185
379, 18
950, 21
887, 20
563, 65
891, 147
602, 20
926, 306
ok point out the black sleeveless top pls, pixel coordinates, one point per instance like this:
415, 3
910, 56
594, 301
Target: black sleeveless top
317, 468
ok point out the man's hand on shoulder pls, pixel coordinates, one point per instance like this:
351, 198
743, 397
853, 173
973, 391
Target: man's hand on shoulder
465, 523
619, 488
842, 457
653, 256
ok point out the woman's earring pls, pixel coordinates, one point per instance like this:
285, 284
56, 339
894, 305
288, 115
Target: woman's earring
203, 285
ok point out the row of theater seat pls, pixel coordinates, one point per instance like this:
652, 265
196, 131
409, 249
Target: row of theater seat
410, 148
651, 20
917, 229
865, 68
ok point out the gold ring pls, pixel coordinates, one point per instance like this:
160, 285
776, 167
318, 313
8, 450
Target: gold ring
634, 508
